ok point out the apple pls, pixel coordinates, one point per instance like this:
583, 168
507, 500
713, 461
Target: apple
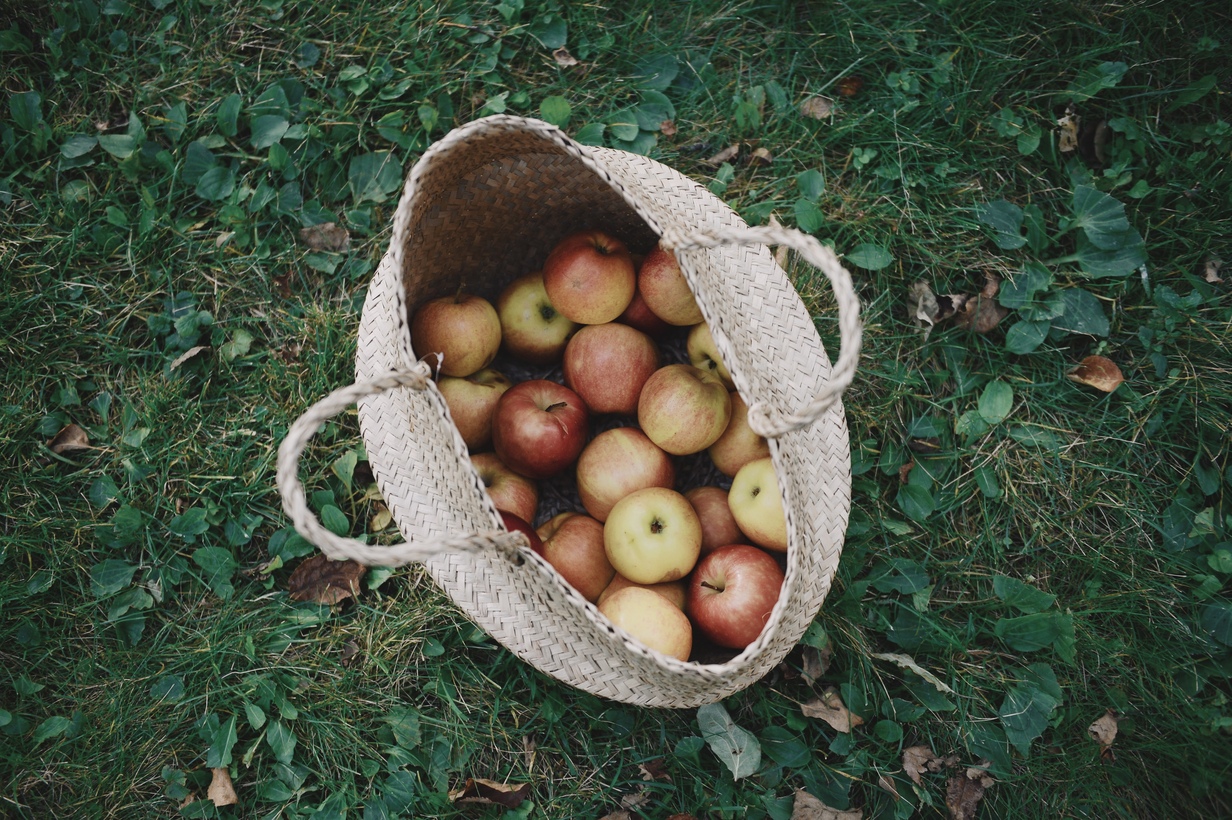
732, 592
472, 401
652, 620
739, 444
618, 462
531, 328
607, 365
589, 277
757, 506
640, 316
539, 428
652, 536
508, 490
576, 551
665, 290
704, 354
463, 330
683, 409
514, 523
550, 526
719, 527
673, 591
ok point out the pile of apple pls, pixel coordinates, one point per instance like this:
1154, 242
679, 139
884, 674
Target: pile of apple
658, 563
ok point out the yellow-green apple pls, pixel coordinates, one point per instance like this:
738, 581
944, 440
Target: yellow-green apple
739, 444
640, 316
576, 551
616, 463
550, 526
757, 506
472, 400
508, 490
652, 536
683, 409
732, 592
704, 354
463, 330
539, 428
674, 591
608, 364
651, 619
515, 523
531, 328
719, 526
665, 290
589, 277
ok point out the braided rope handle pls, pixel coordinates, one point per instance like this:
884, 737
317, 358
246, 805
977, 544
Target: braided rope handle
764, 420
295, 501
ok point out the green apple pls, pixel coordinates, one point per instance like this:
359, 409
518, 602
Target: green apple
757, 506
531, 328
703, 353
652, 536
652, 619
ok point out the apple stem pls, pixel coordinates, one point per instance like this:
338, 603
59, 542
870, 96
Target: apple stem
709, 585
552, 407
460, 296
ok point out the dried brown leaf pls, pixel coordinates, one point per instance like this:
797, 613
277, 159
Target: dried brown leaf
780, 252
381, 518
922, 307
851, 85
815, 663
807, 807
223, 238
920, 759
322, 581
907, 662
530, 750
489, 792
282, 284
1210, 270
817, 107
350, 652
887, 786
655, 769
949, 305
563, 58
1098, 372
1067, 136
71, 437
830, 708
964, 792
726, 155
328, 236
905, 471
761, 156
635, 800
620, 814
222, 791
1104, 730
982, 313
668, 128
188, 354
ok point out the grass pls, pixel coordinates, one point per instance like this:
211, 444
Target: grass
135, 630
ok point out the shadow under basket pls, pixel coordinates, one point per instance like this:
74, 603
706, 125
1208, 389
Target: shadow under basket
487, 204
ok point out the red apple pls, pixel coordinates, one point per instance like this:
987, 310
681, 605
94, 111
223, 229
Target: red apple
589, 277
652, 536
576, 551
463, 330
683, 409
757, 506
532, 329
719, 526
667, 294
472, 401
674, 591
616, 463
508, 490
547, 528
739, 444
514, 523
640, 316
540, 428
732, 593
651, 619
608, 364
704, 354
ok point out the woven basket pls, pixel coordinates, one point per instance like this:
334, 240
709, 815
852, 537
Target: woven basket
485, 205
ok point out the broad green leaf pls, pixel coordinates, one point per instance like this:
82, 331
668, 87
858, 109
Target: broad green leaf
591, 134
1095, 79
1217, 621
266, 130
78, 145
197, 160
223, 741
986, 480
238, 345
216, 183
110, 576
189, 524
272, 101
218, 566
623, 126
971, 424
736, 747
1025, 714
281, 740
335, 520
1037, 232
1020, 288
27, 110
1194, 91
1005, 219
551, 30
344, 467
307, 55
653, 110
656, 71
51, 727
899, 575
124, 528
1031, 436
1029, 140
1101, 217
1023, 597
255, 715
888, 730
996, 401
556, 110
175, 120
169, 688
917, 503
1117, 263
1024, 337
372, 177
869, 257
784, 747
642, 144
809, 217
120, 146
400, 792
228, 114
1083, 313
404, 723
811, 184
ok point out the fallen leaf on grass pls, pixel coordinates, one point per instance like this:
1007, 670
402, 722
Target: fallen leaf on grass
668, 128
188, 354
982, 313
222, 792
1104, 731
922, 307
1067, 136
563, 58
907, 662
887, 786
617, 815
635, 800
1211, 270
489, 792
328, 236
283, 285
920, 759
71, 437
807, 807
964, 792
850, 86
780, 252
818, 107
655, 769
815, 663
726, 155
381, 518
830, 708
761, 157
1098, 372
323, 581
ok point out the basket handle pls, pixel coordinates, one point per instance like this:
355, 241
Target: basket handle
764, 420
339, 548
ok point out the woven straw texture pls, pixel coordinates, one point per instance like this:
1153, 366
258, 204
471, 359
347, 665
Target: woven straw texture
487, 204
